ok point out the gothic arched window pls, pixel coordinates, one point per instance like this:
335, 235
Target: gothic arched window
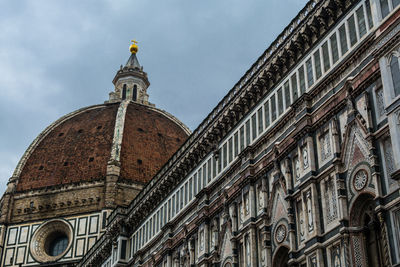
395, 71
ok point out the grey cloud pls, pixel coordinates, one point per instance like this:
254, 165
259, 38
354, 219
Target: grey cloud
58, 56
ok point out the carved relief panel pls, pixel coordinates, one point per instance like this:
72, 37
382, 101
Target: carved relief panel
330, 202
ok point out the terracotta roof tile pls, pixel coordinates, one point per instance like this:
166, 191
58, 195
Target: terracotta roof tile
150, 139
76, 150
79, 148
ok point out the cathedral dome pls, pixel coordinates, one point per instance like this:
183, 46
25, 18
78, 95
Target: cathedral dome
78, 147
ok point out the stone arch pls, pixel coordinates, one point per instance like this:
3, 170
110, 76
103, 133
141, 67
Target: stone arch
281, 257
366, 248
228, 262
394, 53
358, 208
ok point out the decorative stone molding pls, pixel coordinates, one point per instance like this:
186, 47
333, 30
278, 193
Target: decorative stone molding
45, 235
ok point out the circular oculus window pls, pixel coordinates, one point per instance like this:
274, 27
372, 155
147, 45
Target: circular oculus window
280, 233
51, 241
360, 179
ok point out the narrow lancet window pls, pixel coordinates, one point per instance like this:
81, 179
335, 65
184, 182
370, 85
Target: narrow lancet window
124, 92
395, 71
134, 94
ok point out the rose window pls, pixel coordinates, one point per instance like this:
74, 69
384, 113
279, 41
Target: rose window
360, 180
280, 234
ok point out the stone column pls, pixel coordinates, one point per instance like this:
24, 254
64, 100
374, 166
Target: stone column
235, 252
316, 213
346, 249
176, 259
376, 11
252, 201
253, 246
192, 251
342, 198
207, 237
320, 258
268, 249
263, 249
292, 227
384, 240
311, 154
169, 260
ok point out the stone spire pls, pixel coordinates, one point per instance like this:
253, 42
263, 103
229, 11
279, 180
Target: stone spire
130, 82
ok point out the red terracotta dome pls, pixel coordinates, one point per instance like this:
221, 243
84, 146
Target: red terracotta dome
78, 147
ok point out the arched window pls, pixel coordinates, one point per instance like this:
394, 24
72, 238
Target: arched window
124, 92
134, 93
395, 71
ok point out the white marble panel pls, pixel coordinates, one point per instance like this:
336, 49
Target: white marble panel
91, 242
94, 221
12, 236
9, 257
82, 223
20, 255
23, 235
80, 247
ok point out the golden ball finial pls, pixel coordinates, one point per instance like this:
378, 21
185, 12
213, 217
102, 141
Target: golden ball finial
134, 47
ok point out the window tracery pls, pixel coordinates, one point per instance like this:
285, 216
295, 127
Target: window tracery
389, 160
325, 145
380, 102
330, 201
280, 233
360, 179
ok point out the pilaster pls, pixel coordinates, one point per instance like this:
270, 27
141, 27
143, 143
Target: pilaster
252, 201
169, 260
253, 246
376, 11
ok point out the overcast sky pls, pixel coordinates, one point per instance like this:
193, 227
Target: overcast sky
58, 56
